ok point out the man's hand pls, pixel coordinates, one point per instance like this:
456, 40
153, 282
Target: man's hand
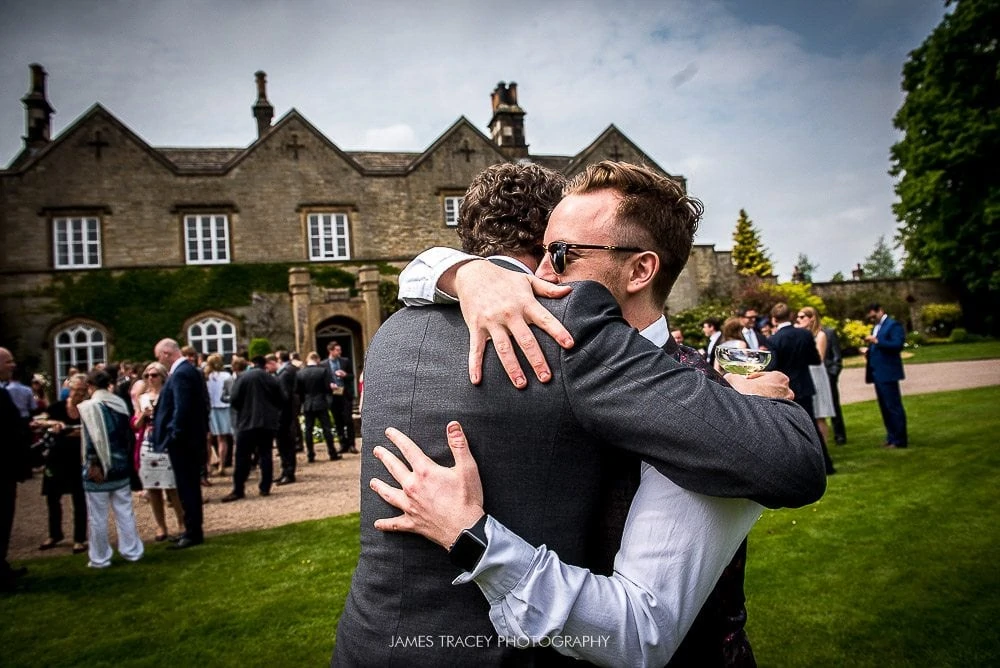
500, 304
437, 502
770, 384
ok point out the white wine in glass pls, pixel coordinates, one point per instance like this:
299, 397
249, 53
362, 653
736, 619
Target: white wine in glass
743, 361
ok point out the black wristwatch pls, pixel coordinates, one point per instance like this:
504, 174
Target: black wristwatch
466, 552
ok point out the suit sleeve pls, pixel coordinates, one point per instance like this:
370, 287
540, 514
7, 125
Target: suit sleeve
186, 393
893, 338
704, 437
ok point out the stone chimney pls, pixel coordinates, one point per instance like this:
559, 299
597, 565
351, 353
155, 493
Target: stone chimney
38, 111
262, 109
507, 124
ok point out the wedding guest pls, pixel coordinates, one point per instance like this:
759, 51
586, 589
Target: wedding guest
64, 390
106, 449
823, 407
39, 387
157, 478
62, 466
220, 430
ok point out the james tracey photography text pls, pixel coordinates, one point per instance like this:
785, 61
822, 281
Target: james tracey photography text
429, 641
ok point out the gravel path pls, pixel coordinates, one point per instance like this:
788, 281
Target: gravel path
327, 489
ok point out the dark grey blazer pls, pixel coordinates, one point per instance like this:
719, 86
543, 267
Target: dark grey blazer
312, 383
539, 454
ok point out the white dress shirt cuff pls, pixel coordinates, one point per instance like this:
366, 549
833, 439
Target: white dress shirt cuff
418, 280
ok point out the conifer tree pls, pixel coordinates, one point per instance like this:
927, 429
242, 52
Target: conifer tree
749, 256
881, 263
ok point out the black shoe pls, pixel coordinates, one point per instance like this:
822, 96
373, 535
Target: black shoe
312, 459
840, 441
335, 456
232, 496
285, 480
354, 450
185, 543
266, 492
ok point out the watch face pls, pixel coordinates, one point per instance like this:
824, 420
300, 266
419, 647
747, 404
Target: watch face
467, 551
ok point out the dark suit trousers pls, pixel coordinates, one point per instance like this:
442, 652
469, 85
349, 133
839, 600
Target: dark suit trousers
890, 402
341, 406
807, 404
286, 447
839, 432
8, 499
324, 422
248, 442
187, 460
54, 503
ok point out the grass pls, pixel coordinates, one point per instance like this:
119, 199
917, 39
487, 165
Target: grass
941, 352
893, 567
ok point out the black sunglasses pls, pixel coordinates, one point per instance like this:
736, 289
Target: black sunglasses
557, 251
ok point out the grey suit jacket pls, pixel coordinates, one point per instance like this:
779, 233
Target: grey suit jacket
539, 452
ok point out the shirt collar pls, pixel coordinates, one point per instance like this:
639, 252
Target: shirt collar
657, 332
514, 261
177, 363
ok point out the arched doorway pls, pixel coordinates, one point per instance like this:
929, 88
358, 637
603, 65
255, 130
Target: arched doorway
347, 332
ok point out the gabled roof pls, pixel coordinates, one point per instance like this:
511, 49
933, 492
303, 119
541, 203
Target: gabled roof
199, 158
586, 156
96, 111
462, 122
181, 160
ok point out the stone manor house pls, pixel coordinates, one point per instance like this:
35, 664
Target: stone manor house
97, 205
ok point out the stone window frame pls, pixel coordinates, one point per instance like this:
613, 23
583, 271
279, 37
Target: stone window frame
328, 244
91, 248
219, 255
219, 338
83, 337
450, 206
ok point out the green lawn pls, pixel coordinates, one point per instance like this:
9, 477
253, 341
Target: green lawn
893, 567
941, 352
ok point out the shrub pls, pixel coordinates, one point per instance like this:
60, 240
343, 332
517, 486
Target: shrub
852, 334
941, 319
689, 321
259, 347
958, 335
763, 295
915, 339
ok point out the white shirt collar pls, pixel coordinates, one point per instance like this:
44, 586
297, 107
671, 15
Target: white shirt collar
177, 363
657, 332
783, 325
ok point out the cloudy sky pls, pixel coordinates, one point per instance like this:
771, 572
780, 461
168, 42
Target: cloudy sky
781, 107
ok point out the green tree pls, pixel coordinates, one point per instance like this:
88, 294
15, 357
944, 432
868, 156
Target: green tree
838, 277
749, 256
881, 263
949, 186
806, 268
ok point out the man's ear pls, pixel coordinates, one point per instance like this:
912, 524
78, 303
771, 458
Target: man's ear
643, 268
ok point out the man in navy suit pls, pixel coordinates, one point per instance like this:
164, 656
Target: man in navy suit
884, 368
180, 427
794, 351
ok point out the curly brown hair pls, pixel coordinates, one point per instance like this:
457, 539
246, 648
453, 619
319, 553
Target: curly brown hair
654, 213
506, 209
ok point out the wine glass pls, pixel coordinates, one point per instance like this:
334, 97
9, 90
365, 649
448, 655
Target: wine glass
742, 361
